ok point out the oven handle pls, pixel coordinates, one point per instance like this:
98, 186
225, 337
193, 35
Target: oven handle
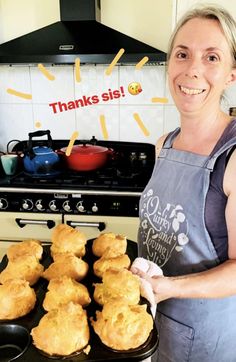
22, 222
100, 225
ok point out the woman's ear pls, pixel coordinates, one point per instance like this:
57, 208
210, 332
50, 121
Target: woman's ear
232, 77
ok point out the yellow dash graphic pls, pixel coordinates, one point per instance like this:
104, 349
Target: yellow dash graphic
38, 124
141, 63
103, 126
19, 94
159, 100
71, 143
77, 70
115, 60
141, 125
46, 72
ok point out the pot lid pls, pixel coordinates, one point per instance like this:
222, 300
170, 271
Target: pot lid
87, 149
42, 150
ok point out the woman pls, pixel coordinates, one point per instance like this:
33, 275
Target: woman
188, 209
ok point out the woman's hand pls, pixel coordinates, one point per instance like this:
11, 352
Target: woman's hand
161, 286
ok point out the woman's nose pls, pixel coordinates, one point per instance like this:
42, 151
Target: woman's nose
193, 69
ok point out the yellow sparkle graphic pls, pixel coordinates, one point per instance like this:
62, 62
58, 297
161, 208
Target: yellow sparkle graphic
114, 61
77, 70
159, 100
141, 63
141, 124
103, 126
71, 143
45, 72
19, 94
38, 124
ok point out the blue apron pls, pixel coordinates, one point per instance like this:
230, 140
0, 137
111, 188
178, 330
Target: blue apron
173, 234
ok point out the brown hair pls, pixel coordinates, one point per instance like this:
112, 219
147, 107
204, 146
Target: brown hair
211, 11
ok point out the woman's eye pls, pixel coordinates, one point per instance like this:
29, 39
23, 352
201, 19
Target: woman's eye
212, 58
181, 55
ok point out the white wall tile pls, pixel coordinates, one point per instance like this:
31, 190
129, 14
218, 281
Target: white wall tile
118, 113
151, 79
94, 81
17, 78
88, 122
61, 124
151, 117
230, 96
16, 123
49, 91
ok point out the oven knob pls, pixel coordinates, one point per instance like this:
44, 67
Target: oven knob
66, 206
80, 207
27, 204
39, 205
3, 204
94, 208
53, 206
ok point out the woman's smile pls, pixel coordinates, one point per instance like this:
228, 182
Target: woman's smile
191, 91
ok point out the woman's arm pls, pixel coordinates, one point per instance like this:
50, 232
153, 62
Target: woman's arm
217, 282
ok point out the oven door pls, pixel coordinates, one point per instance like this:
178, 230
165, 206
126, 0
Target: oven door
21, 226
92, 225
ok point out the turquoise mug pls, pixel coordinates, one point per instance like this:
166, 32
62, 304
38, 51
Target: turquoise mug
9, 164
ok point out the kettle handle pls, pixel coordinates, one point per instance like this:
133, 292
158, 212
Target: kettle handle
38, 134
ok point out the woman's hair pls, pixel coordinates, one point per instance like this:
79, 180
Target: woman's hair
211, 11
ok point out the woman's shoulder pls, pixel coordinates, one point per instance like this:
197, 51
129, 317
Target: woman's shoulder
160, 143
230, 174
162, 139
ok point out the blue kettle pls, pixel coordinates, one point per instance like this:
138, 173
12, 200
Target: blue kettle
41, 160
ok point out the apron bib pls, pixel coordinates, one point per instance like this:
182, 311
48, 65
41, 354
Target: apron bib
173, 234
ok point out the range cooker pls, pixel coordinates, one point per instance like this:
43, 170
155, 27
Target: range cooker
103, 200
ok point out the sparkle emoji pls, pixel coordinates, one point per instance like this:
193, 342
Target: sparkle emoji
134, 88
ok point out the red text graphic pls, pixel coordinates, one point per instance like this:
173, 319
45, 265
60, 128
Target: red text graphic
86, 101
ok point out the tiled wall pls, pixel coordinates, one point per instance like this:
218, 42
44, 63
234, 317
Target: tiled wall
19, 116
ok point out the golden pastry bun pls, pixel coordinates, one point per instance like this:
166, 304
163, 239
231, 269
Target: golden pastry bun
66, 264
16, 299
27, 268
117, 284
26, 247
62, 331
121, 326
67, 239
63, 290
111, 259
109, 240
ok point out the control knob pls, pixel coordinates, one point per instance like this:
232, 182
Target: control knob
80, 207
94, 208
3, 204
66, 206
53, 206
39, 205
27, 204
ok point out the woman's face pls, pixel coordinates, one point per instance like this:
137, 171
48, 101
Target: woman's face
200, 66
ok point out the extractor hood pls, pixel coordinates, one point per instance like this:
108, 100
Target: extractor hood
79, 34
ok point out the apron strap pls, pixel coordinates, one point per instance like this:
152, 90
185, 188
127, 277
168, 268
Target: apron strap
168, 142
210, 163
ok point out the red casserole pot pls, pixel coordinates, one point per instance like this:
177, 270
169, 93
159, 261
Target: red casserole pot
86, 157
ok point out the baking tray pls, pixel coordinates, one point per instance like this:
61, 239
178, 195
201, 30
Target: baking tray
98, 352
